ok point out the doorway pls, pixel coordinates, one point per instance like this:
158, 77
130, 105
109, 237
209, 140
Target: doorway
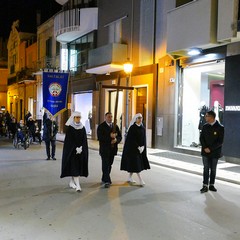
112, 100
141, 102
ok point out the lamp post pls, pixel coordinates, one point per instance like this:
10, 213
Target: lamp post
127, 67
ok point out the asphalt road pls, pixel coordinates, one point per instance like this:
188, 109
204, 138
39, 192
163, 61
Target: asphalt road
35, 204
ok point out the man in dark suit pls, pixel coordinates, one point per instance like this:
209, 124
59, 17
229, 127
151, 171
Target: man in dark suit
109, 139
50, 129
211, 139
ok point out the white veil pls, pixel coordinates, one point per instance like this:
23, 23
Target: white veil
134, 119
70, 121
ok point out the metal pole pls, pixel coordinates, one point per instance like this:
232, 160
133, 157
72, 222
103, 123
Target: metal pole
127, 105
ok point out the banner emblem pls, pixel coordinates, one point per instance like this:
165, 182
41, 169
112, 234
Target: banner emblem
55, 89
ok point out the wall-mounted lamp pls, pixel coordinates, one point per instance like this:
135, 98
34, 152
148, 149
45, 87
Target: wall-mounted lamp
194, 51
128, 67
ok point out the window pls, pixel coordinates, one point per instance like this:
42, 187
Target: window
78, 52
49, 47
57, 48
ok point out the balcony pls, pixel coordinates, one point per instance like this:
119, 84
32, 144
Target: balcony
202, 24
107, 59
192, 25
72, 24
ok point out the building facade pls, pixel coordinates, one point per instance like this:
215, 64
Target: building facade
48, 59
22, 60
75, 30
3, 74
171, 88
126, 32
201, 82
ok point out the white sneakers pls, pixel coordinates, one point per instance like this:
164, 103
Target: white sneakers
74, 183
142, 183
132, 181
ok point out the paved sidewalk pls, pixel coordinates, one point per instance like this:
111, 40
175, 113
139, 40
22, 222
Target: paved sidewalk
228, 172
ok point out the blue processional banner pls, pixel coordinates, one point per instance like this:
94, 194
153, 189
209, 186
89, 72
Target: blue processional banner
55, 87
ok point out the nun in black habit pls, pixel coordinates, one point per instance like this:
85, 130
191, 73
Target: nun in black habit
134, 157
75, 151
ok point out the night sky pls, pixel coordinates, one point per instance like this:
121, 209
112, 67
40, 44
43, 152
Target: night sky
25, 11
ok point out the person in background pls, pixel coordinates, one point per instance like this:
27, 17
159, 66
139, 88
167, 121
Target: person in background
50, 129
31, 127
134, 157
109, 138
75, 152
21, 130
38, 132
13, 127
26, 118
211, 139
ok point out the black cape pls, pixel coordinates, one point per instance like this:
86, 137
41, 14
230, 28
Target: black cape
75, 164
132, 160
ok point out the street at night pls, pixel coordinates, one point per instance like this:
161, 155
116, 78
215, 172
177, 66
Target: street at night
36, 204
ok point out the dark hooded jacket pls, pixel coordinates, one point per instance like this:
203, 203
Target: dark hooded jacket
212, 137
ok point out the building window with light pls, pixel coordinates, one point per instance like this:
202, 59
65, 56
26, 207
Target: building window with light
78, 52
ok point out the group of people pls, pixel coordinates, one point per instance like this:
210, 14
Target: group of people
13, 128
75, 150
134, 157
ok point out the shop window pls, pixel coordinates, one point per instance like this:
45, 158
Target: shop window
203, 90
83, 104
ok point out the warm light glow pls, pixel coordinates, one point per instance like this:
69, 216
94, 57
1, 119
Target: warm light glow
128, 67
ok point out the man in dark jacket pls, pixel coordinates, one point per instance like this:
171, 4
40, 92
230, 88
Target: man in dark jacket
50, 129
108, 141
211, 139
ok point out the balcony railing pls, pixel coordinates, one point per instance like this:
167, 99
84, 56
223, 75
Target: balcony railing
72, 24
25, 74
49, 62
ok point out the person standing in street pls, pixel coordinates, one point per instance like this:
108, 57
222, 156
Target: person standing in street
75, 152
50, 129
211, 139
109, 138
134, 157
31, 127
26, 117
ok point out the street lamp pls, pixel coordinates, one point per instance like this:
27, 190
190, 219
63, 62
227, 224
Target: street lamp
127, 67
